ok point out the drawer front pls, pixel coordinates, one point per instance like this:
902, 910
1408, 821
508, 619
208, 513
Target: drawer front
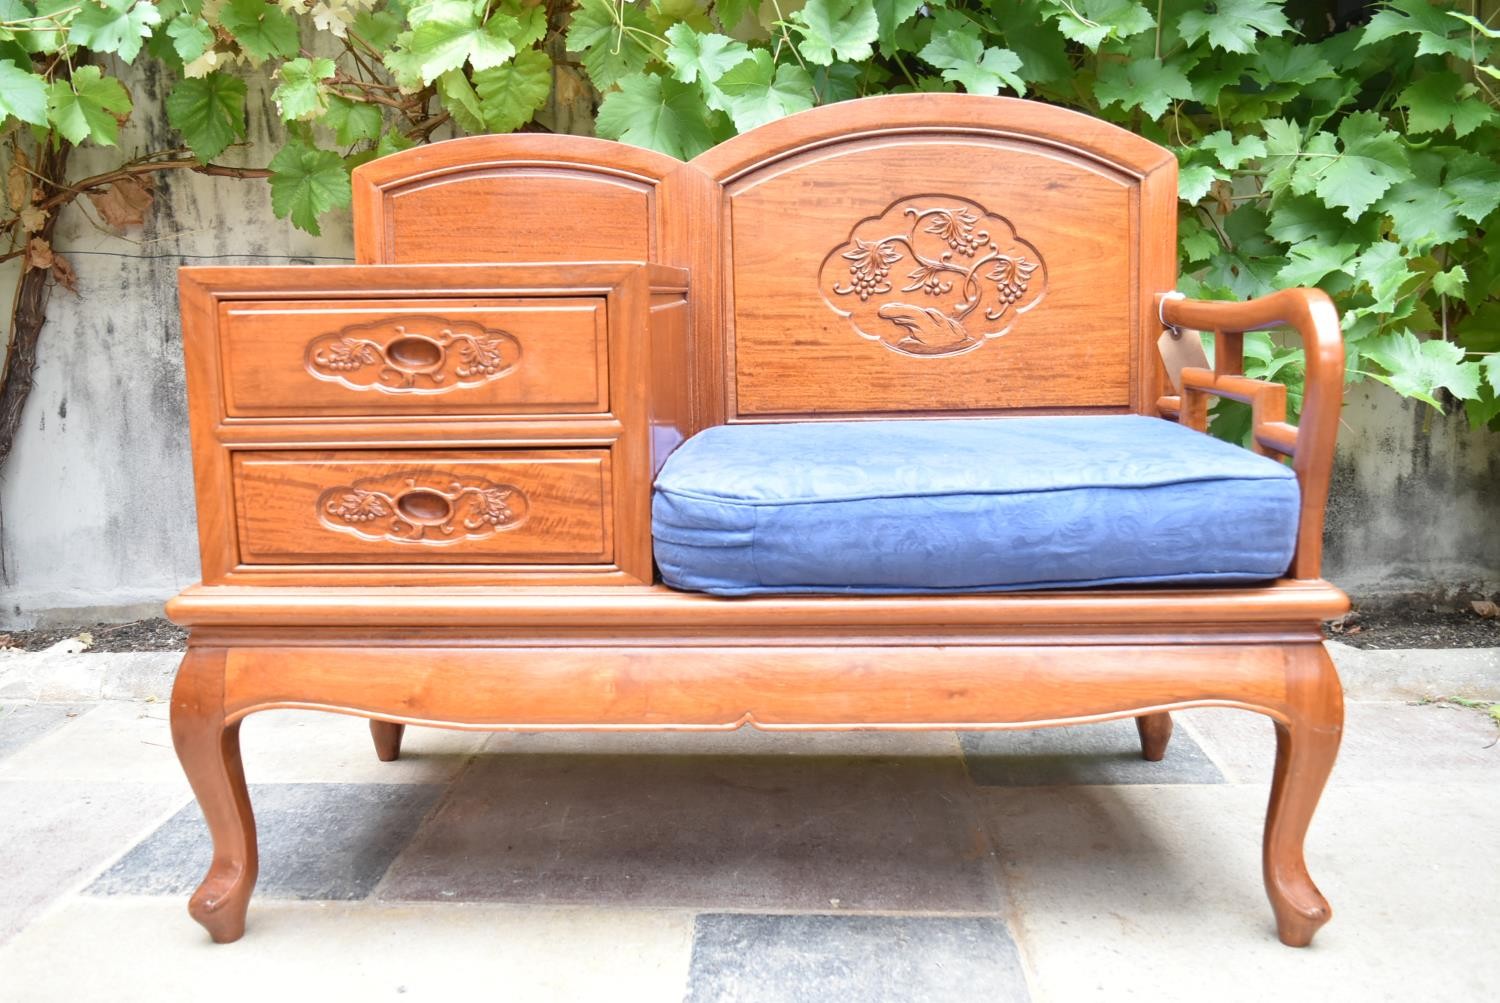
424, 507
404, 357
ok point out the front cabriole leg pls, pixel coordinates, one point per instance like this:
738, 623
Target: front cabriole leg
1306, 745
209, 750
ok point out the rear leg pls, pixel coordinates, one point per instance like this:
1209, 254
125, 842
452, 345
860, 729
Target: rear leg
1156, 732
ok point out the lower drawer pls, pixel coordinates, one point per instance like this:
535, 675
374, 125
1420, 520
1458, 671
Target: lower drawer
423, 507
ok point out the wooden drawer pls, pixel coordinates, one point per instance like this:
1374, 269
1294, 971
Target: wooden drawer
423, 507
416, 356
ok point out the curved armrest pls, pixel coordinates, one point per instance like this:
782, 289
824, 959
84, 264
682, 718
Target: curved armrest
1310, 443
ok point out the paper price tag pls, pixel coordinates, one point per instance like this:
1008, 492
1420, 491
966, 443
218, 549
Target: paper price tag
1181, 349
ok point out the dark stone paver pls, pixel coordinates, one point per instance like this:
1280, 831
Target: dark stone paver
873, 959
317, 841
738, 832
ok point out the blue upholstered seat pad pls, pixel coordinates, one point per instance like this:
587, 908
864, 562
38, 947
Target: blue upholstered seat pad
968, 505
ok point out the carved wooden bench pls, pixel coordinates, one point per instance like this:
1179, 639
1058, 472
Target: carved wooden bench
425, 481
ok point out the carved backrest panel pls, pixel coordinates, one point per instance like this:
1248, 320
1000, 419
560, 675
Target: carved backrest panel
939, 253
511, 199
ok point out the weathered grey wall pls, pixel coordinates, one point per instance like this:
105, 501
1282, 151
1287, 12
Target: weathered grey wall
96, 508
96, 514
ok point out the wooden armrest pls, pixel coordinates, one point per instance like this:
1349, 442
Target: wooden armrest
1310, 443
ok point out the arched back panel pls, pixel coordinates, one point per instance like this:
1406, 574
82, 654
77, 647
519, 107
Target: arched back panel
514, 198
939, 254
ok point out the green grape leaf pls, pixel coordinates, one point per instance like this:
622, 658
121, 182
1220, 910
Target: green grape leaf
1451, 282
1042, 48
693, 13
1422, 212
891, 14
209, 111
262, 29
839, 82
191, 36
378, 28
964, 60
696, 56
1372, 160
1278, 61
1436, 32
301, 95
1193, 182
1418, 368
118, 26
1197, 242
611, 48
22, 95
447, 45
837, 29
88, 106
658, 113
392, 141
732, 12
352, 121
461, 100
509, 95
307, 182
1148, 84
757, 91
1474, 180
1383, 266
1440, 100
1231, 152
1091, 22
1234, 25
1283, 152
1311, 262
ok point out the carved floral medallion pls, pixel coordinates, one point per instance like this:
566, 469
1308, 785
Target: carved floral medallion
933, 275
423, 507
422, 355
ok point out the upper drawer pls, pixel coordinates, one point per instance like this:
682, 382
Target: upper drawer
407, 357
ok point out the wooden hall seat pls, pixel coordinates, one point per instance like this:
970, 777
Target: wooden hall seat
425, 480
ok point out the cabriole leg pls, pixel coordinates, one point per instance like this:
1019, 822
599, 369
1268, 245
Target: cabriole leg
387, 735
1305, 751
1156, 732
209, 751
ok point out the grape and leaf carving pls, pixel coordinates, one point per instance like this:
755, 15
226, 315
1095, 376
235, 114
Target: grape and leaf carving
933, 275
418, 508
421, 355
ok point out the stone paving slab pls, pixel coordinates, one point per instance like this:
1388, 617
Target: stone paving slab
1159, 887
146, 950
330, 842
21, 724
54, 835
1383, 742
873, 959
743, 832
1104, 753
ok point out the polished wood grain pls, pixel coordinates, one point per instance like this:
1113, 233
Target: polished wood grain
420, 507
208, 746
387, 737
770, 278
517, 198
808, 198
446, 356
1156, 732
643, 333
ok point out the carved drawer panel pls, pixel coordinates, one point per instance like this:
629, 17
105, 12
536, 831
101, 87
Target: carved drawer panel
406, 357
423, 507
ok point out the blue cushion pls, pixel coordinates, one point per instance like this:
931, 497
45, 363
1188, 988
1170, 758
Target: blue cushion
968, 505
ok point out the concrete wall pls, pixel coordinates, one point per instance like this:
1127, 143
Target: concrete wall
96, 509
